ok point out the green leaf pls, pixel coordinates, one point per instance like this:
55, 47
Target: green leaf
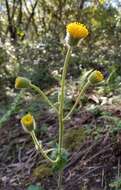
61, 162
34, 187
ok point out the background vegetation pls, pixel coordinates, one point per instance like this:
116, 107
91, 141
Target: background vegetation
32, 45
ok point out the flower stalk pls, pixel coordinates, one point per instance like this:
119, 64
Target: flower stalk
85, 87
40, 148
61, 100
61, 110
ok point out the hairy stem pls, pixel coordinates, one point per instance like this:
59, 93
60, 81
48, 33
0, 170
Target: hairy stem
60, 180
61, 100
78, 99
39, 147
61, 110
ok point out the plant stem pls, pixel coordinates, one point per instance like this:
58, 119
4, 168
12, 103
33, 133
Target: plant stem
61, 110
60, 180
61, 100
78, 99
41, 93
39, 146
49, 150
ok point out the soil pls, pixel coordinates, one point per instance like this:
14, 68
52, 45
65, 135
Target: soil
92, 166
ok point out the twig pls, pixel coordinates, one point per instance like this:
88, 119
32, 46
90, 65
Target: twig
89, 172
97, 154
85, 152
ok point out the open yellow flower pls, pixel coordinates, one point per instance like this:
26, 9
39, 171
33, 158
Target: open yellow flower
28, 122
77, 30
96, 76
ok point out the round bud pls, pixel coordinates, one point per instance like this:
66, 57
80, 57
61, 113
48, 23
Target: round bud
96, 76
28, 123
22, 82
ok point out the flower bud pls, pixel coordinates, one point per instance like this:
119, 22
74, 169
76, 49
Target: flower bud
28, 123
96, 76
22, 82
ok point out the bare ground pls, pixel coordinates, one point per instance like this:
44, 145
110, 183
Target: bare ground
93, 166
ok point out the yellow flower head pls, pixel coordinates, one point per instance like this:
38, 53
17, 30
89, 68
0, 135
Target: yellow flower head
96, 76
99, 76
77, 30
22, 82
28, 122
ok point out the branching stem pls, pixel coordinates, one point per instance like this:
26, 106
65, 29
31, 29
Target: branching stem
78, 99
39, 147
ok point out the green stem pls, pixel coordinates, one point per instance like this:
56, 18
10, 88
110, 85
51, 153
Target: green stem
78, 99
61, 100
60, 176
39, 146
61, 110
49, 150
41, 93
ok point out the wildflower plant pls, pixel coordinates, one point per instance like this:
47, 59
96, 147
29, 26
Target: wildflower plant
59, 157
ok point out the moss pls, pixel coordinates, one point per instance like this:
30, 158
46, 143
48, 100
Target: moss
73, 138
42, 171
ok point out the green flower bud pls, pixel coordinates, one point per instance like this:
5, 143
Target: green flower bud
22, 82
96, 76
28, 123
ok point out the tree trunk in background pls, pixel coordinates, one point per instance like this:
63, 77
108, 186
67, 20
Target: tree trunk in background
11, 27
